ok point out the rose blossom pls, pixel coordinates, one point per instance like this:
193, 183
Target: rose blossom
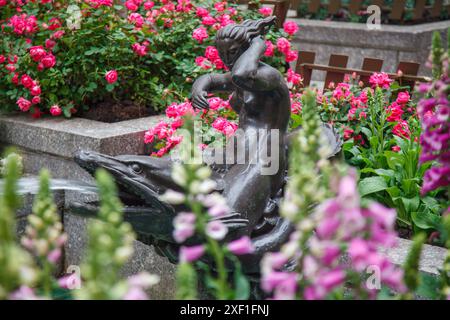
269, 49
290, 27
37, 53
265, 11
35, 90
283, 45
111, 76
48, 61
27, 81
23, 104
200, 34
403, 98
55, 110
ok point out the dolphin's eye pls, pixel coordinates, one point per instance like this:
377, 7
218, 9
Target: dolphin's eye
136, 168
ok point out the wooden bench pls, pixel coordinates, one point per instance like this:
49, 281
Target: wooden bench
280, 8
337, 69
395, 12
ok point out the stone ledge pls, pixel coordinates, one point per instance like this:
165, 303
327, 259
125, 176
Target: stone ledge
391, 44
64, 137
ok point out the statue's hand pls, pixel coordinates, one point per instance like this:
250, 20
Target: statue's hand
199, 99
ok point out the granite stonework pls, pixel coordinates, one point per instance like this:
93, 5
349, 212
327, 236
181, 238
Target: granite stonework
144, 258
431, 259
52, 142
392, 43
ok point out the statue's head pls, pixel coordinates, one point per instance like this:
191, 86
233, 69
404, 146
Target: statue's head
232, 40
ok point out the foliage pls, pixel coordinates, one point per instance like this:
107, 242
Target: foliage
65, 56
17, 268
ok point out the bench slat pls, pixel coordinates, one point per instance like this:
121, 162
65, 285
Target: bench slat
418, 9
334, 6
305, 57
398, 7
370, 64
336, 60
409, 68
355, 6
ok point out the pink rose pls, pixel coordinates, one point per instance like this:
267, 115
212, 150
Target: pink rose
290, 27
203, 63
208, 21
148, 5
140, 50
136, 19
381, 80
2, 58
283, 45
131, 5
49, 44
58, 34
211, 53
26, 81
269, 49
23, 104
201, 12
200, 34
291, 56
265, 11
55, 110
35, 91
36, 100
37, 53
403, 98
111, 76
49, 61
293, 77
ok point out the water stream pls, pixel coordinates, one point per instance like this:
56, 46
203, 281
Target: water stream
30, 185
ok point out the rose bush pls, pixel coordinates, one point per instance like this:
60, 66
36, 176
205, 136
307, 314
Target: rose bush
73, 54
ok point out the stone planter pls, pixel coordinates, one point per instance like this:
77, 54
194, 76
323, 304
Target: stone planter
51, 143
392, 43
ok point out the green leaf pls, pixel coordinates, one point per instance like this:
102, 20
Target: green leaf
242, 287
366, 132
371, 185
426, 220
411, 204
393, 159
429, 286
109, 87
385, 172
431, 204
373, 141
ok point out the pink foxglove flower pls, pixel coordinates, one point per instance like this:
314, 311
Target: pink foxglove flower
241, 246
191, 254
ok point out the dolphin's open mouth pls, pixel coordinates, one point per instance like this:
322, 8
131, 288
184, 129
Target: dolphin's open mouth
131, 198
140, 200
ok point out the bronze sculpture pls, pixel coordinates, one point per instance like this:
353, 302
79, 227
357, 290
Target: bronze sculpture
261, 97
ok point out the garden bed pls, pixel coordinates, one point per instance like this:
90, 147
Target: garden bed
391, 43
